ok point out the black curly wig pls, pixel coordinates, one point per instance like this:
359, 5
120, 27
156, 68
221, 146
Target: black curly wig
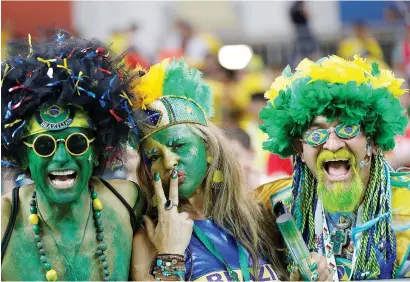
66, 70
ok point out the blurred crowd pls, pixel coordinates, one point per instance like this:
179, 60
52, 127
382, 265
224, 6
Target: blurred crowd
239, 94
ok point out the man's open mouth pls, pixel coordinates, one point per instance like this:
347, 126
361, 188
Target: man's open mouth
62, 179
337, 169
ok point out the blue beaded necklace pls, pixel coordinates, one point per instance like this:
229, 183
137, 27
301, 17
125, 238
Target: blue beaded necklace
51, 274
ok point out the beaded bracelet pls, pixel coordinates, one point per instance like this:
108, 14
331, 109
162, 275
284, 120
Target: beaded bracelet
165, 266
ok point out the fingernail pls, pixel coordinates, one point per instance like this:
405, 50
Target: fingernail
313, 266
156, 176
174, 174
315, 276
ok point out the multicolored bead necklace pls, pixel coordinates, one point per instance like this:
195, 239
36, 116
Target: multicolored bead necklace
51, 274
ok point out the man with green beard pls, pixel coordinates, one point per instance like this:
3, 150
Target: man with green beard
65, 117
336, 117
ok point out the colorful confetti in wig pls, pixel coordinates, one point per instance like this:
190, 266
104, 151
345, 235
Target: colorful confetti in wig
65, 71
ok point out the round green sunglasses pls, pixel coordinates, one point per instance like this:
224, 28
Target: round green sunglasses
319, 136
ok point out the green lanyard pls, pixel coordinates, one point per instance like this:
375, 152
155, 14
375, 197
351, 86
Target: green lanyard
243, 259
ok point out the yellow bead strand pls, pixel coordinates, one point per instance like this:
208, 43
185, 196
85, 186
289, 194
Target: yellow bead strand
97, 205
33, 218
51, 275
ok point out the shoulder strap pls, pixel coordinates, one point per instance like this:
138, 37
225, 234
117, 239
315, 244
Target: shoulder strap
12, 220
133, 217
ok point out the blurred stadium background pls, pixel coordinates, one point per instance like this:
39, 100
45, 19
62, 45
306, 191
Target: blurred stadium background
240, 46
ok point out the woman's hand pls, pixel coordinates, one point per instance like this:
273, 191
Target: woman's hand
319, 268
174, 230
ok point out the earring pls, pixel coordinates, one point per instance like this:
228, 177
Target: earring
217, 180
209, 159
368, 151
218, 177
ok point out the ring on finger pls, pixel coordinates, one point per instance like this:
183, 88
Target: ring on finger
169, 204
174, 201
315, 276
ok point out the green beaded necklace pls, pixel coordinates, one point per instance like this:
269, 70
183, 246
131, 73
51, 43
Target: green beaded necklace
51, 274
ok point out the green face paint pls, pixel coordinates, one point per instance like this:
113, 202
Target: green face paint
177, 146
74, 256
61, 177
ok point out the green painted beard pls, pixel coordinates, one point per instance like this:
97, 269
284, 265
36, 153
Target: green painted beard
177, 145
340, 198
47, 172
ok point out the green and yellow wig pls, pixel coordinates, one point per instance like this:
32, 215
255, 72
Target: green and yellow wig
352, 91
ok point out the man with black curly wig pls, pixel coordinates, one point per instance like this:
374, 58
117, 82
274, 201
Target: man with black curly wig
65, 116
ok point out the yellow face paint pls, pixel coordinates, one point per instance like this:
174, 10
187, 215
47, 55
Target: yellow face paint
340, 198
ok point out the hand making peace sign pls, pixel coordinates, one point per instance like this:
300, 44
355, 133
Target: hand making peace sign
174, 230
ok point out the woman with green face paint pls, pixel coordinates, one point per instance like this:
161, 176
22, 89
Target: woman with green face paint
65, 117
203, 224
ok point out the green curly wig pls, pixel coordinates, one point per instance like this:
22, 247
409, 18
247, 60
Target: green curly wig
349, 91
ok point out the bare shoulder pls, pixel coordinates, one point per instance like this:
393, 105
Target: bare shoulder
143, 253
5, 212
128, 190
24, 195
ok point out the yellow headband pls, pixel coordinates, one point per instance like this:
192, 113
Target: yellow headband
55, 118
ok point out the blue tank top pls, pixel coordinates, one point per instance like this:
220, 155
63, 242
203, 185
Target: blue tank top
201, 265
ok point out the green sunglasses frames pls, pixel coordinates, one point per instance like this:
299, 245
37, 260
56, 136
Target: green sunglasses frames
319, 136
45, 145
